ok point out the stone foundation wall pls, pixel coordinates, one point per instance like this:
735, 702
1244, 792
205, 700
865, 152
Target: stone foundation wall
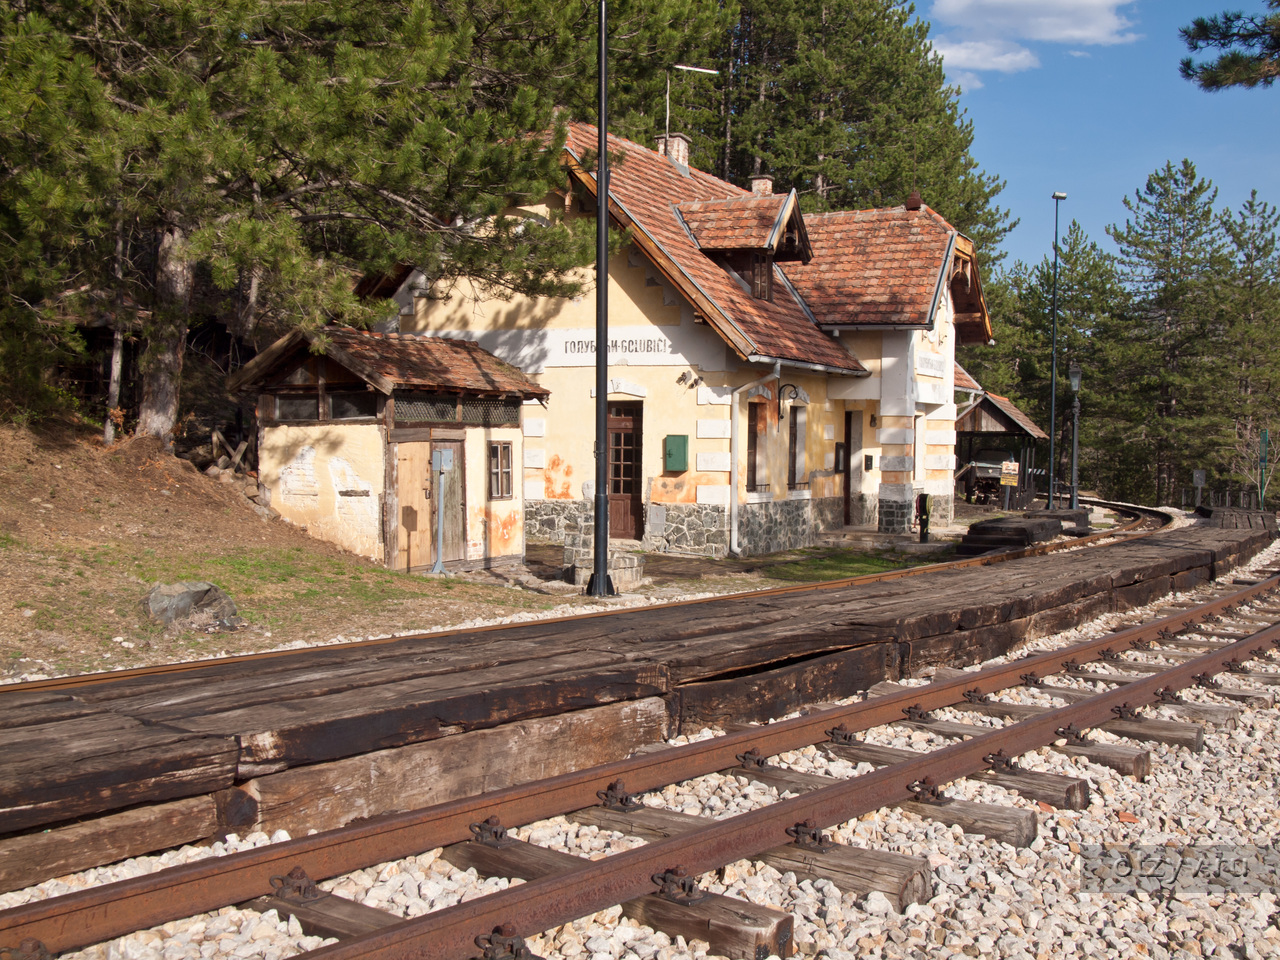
702, 529
697, 528
895, 516
550, 519
778, 525
942, 510
863, 510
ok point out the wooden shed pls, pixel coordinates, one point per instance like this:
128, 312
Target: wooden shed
349, 423
993, 423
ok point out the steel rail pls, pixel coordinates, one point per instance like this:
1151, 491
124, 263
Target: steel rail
110, 676
543, 904
92, 916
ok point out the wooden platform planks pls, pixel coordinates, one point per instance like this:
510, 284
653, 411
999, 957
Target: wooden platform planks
91, 764
298, 714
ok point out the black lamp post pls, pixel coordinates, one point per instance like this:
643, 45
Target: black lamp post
598, 585
1073, 374
1058, 196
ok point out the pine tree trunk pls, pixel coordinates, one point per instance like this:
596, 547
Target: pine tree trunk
113, 389
167, 339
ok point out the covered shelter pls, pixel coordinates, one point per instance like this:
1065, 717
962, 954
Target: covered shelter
990, 429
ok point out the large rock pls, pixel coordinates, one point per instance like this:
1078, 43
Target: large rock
167, 602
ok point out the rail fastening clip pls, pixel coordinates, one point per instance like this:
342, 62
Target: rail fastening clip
503, 944
296, 887
615, 797
807, 836
677, 886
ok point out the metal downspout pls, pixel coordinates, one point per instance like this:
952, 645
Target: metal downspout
734, 549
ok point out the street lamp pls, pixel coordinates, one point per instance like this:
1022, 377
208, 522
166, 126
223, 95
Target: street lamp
1073, 374
1058, 196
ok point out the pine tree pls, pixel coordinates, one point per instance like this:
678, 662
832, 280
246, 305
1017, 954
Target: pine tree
51, 106
1172, 260
263, 155
1251, 44
1019, 365
845, 101
1251, 301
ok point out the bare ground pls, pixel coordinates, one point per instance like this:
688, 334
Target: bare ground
85, 531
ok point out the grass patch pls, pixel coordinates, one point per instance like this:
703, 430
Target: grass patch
839, 565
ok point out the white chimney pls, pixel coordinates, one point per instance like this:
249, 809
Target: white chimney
675, 147
762, 185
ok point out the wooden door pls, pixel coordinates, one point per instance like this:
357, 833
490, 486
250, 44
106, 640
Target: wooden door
414, 503
626, 496
452, 491
852, 460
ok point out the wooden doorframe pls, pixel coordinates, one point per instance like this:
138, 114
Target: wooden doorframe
634, 425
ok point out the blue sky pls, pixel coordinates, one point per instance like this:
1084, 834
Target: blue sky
1084, 96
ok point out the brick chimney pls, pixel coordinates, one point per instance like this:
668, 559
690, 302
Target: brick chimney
762, 185
675, 147
914, 202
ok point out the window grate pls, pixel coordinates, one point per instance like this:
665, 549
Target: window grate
491, 413
419, 407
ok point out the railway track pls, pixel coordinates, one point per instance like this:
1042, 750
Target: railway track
1010, 710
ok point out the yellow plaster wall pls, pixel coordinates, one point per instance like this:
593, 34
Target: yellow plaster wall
466, 306
302, 469
495, 528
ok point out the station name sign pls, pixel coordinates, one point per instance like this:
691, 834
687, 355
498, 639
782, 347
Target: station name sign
639, 346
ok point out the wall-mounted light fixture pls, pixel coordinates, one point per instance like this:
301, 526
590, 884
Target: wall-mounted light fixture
783, 395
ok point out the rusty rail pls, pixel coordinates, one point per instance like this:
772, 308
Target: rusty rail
92, 916
539, 905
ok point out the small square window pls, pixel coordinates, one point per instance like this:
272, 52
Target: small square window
298, 406
500, 470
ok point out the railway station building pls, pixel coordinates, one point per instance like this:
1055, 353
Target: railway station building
772, 375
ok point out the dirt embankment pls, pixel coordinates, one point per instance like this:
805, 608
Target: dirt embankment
86, 530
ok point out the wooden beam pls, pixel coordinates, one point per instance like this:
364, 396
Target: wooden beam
32, 858
855, 870
733, 927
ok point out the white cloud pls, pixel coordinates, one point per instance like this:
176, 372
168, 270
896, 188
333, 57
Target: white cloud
966, 80
1084, 22
1080, 53
1002, 55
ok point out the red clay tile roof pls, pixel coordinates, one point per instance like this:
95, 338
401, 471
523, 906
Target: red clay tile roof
873, 266
644, 190
966, 382
744, 223
1005, 405
394, 360
434, 363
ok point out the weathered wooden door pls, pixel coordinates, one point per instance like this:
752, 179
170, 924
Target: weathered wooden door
413, 499
417, 488
626, 496
452, 491
852, 460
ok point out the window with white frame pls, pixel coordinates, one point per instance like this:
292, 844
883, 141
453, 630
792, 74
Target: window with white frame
500, 470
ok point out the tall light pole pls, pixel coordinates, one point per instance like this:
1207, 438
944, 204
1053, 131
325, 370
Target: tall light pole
598, 585
1073, 374
1058, 197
